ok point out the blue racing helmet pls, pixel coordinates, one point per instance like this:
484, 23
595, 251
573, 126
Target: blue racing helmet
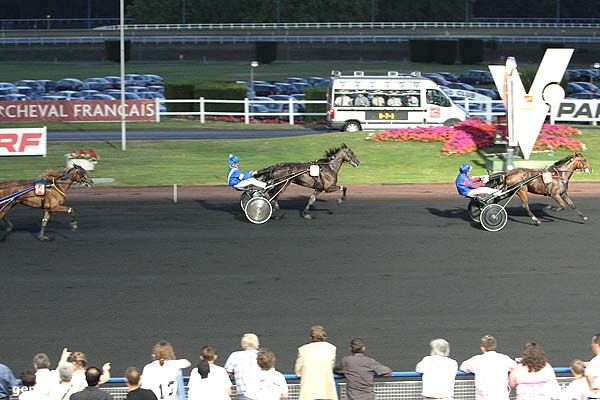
233, 159
464, 168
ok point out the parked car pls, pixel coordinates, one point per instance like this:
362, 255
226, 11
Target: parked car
69, 84
152, 95
316, 81
115, 81
49, 97
26, 91
263, 89
257, 109
16, 97
99, 96
476, 77
137, 89
296, 80
131, 96
49, 86
584, 95
573, 87
86, 93
450, 77
150, 79
70, 94
7, 88
590, 87
134, 80
438, 79
99, 84
157, 88
461, 86
36, 87
285, 88
491, 93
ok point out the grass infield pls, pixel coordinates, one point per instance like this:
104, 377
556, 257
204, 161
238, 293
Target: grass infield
199, 162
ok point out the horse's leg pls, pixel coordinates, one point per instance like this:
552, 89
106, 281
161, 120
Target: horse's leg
42, 235
522, 193
9, 225
568, 200
60, 208
343, 189
311, 201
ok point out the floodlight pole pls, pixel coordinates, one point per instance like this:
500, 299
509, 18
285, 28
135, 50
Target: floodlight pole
122, 51
253, 65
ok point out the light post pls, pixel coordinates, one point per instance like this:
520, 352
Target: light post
253, 65
510, 71
48, 19
596, 67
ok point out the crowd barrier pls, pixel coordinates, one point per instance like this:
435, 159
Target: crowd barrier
401, 386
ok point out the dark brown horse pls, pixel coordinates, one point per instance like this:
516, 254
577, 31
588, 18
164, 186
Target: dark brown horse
53, 200
556, 187
326, 181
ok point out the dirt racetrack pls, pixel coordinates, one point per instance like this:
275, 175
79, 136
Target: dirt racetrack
398, 265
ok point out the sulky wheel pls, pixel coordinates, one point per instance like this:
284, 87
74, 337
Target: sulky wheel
258, 210
474, 210
493, 217
247, 195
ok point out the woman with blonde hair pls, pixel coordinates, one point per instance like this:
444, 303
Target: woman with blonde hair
80, 363
163, 375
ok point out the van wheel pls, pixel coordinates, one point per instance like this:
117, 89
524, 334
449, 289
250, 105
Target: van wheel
451, 122
352, 126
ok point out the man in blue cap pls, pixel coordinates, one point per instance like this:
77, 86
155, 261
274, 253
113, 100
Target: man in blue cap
241, 180
470, 187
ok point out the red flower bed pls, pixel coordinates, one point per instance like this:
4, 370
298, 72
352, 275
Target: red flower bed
473, 134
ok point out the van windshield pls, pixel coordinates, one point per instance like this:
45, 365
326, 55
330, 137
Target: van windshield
438, 98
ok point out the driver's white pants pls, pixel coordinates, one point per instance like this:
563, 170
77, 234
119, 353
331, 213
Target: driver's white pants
251, 182
481, 190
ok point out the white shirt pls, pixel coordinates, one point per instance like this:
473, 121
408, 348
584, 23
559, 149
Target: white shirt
63, 391
78, 379
578, 389
213, 387
31, 394
243, 365
539, 385
491, 374
162, 380
438, 376
593, 370
45, 380
270, 385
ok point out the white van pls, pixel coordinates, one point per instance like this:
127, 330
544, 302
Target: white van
360, 102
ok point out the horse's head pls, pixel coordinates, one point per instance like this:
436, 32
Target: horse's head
349, 156
79, 174
581, 163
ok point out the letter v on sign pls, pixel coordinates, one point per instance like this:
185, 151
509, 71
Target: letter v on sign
529, 109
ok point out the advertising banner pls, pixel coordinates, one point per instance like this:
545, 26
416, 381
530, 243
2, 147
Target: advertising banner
23, 142
76, 110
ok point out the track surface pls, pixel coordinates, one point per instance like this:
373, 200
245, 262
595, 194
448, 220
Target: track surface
398, 273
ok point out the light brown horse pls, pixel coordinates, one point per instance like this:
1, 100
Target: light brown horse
326, 181
58, 184
561, 172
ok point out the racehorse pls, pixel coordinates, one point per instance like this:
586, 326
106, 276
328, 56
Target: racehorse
326, 181
557, 187
53, 200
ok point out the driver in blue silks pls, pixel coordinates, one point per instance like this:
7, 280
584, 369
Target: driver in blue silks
470, 187
241, 180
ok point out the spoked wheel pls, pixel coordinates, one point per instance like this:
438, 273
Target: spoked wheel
493, 217
474, 210
258, 210
247, 195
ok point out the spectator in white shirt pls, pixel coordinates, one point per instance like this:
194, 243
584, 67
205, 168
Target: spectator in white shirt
592, 370
534, 377
270, 384
65, 388
28, 391
208, 380
578, 388
45, 379
491, 371
439, 371
162, 376
242, 364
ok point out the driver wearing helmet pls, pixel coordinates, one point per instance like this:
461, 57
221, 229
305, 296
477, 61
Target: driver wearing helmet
470, 187
241, 180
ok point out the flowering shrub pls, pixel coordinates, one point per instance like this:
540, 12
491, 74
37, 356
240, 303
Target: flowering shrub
474, 134
90, 155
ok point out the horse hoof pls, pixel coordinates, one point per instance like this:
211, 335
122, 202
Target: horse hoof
340, 201
44, 238
74, 227
537, 222
584, 218
307, 216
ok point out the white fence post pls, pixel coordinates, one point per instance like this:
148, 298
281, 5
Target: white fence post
291, 110
202, 116
551, 115
157, 108
246, 111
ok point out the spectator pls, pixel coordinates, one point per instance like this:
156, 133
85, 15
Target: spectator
343, 101
491, 371
439, 371
359, 371
361, 100
134, 389
578, 388
378, 101
592, 371
314, 366
65, 388
7, 382
534, 377
394, 102
92, 392
163, 375
412, 101
28, 390
242, 364
79, 361
45, 378
270, 384
208, 380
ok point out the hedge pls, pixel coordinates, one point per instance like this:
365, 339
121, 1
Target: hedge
470, 51
315, 94
445, 51
266, 52
421, 50
112, 50
221, 90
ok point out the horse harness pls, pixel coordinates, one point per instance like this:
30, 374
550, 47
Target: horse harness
12, 198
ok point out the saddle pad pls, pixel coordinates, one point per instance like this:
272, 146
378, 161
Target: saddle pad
314, 170
547, 177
